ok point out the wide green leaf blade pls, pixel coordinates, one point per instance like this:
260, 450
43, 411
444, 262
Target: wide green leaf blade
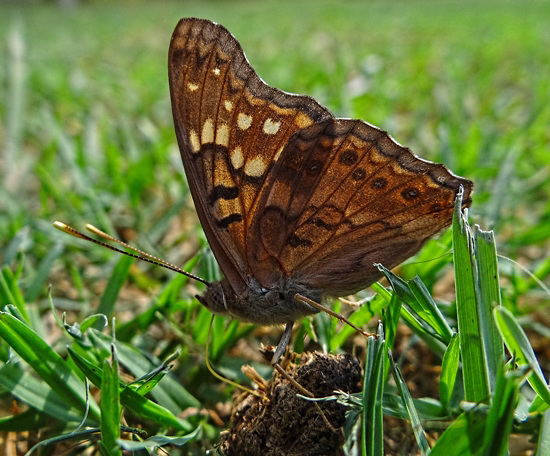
46, 362
474, 370
464, 437
37, 394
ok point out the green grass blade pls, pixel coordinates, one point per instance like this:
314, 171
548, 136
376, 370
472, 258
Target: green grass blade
474, 367
543, 445
488, 298
406, 397
372, 442
429, 310
41, 276
26, 421
117, 279
538, 405
518, 345
426, 408
110, 406
76, 436
160, 440
36, 394
501, 413
138, 404
464, 437
449, 371
391, 320
420, 305
169, 393
10, 294
46, 362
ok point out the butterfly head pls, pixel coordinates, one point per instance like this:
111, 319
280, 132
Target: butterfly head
214, 298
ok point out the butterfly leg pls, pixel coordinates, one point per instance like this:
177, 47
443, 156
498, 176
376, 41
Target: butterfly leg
343, 319
283, 343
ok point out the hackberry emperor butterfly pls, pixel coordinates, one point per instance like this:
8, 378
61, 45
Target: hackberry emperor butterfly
292, 200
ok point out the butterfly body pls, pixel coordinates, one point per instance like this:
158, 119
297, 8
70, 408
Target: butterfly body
292, 199
259, 305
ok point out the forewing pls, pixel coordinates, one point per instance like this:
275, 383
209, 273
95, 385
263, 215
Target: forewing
343, 196
231, 128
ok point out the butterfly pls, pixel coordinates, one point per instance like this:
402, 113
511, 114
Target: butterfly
292, 200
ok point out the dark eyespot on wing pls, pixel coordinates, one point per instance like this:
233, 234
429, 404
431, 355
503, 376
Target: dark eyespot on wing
348, 157
359, 174
436, 207
379, 182
410, 193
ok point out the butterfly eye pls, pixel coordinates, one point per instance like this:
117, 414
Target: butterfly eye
214, 299
218, 300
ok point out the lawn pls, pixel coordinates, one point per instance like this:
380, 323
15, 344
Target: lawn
86, 136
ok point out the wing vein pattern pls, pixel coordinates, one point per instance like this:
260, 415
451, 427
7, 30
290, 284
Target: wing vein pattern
285, 191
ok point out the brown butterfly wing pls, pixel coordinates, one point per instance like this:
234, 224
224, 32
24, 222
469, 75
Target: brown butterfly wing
231, 128
342, 196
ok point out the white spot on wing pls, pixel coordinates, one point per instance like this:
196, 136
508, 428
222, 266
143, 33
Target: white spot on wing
271, 126
192, 87
207, 131
216, 71
255, 167
237, 158
228, 105
194, 140
222, 135
244, 121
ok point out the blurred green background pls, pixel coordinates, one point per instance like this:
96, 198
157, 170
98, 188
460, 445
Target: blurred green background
86, 132
86, 126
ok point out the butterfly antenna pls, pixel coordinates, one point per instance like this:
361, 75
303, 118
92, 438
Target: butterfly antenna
139, 254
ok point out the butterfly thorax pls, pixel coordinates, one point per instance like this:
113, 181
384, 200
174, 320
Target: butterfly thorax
257, 304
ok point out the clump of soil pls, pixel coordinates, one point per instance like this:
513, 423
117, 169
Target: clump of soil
280, 423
